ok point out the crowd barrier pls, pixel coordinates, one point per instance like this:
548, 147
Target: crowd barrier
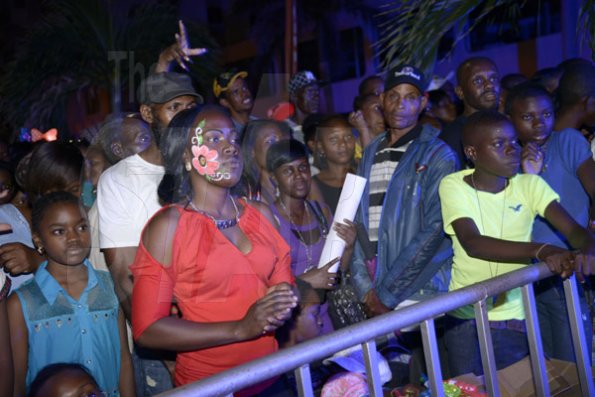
297, 358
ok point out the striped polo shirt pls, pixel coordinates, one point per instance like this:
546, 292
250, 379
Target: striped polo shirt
386, 160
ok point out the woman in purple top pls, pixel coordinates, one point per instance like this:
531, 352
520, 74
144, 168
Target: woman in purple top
304, 224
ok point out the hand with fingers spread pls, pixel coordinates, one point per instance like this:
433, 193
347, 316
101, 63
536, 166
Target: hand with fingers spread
17, 258
179, 52
321, 278
532, 158
269, 312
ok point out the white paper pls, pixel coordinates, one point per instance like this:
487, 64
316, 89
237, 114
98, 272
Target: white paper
351, 194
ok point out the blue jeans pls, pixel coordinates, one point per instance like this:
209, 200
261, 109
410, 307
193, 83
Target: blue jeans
151, 376
462, 346
553, 319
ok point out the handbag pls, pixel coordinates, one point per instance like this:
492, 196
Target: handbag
344, 307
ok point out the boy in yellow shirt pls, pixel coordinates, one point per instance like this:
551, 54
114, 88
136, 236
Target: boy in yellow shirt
488, 211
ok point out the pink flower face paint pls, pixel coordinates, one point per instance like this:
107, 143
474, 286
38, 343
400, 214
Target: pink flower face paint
204, 160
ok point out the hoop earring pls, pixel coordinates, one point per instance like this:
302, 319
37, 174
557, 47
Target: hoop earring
40, 250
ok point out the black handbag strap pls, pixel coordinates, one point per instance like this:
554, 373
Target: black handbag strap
317, 210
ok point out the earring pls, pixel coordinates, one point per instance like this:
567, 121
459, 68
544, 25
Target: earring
188, 166
40, 250
320, 154
277, 192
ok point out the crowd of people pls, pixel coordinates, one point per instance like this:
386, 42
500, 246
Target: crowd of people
185, 238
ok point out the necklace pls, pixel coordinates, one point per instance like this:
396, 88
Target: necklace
295, 228
492, 275
220, 224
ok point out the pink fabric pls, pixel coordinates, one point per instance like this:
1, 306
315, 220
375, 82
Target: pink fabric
345, 384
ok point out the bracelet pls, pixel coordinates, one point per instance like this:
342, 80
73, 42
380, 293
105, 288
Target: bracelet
539, 251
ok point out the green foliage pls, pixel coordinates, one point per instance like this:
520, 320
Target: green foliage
413, 29
73, 47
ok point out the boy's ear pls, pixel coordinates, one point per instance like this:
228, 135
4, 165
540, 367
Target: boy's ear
459, 92
470, 153
146, 113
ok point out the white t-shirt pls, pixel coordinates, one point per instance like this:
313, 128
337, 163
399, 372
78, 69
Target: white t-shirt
126, 199
95, 256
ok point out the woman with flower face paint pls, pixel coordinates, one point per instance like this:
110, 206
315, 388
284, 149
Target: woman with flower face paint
219, 257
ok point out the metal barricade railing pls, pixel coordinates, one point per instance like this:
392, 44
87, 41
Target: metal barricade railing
297, 358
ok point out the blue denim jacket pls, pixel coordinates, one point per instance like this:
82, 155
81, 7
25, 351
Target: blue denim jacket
413, 251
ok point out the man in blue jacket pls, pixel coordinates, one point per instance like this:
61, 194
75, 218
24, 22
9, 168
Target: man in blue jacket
400, 208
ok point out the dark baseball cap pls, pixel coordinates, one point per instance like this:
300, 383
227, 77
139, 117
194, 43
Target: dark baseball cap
163, 87
405, 74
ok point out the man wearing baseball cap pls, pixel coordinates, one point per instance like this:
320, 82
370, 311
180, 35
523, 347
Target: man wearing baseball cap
400, 208
304, 94
162, 96
127, 198
232, 93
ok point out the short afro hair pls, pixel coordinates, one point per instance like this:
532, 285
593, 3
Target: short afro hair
524, 91
477, 123
577, 82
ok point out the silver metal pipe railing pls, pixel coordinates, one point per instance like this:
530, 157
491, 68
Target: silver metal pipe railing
297, 358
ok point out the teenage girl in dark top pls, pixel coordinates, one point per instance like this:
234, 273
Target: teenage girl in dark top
335, 152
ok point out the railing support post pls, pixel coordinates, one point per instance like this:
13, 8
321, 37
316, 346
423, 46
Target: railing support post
432, 356
579, 343
488, 360
304, 381
542, 387
373, 375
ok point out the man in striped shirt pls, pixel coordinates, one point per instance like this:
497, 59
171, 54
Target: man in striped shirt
400, 207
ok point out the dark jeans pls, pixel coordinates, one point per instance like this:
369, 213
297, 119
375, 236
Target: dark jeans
553, 319
151, 376
462, 346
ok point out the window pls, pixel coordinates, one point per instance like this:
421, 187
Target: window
350, 64
536, 18
346, 61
